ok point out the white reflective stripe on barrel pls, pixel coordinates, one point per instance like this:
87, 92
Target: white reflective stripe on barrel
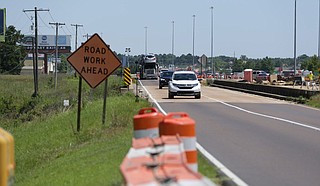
189, 143
193, 166
151, 133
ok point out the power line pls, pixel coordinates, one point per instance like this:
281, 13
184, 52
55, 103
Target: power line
45, 24
51, 17
67, 30
30, 18
84, 30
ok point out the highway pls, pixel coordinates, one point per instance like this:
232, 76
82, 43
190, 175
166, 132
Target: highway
263, 141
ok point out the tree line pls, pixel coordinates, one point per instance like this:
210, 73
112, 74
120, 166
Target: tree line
224, 64
12, 56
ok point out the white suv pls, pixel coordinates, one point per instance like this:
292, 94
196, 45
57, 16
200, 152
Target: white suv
184, 83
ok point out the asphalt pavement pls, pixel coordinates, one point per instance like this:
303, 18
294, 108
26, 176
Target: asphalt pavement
264, 141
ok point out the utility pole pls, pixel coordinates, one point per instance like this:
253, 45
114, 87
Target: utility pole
193, 33
91, 89
56, 61
76, 25
80, 81
319, 33
172, 52
213, 66
35, 94
87, 36
295, 37
146, 40
128, 50
76, 45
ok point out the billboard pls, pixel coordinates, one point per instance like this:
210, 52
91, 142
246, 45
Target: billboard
47, 43
2, 24
48, 40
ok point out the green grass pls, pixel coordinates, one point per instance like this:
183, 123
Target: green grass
314, 101
50, 153
49, 150
18, 106
207, 169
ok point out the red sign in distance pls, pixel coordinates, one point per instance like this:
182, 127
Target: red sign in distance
94, 61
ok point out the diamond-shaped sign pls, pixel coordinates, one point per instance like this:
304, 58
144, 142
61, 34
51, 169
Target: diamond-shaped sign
203, 59
94, 61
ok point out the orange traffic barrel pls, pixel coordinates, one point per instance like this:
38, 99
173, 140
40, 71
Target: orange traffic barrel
146, 123
159, 161
179, 123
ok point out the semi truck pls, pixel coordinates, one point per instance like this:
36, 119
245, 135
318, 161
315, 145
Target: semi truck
149, 68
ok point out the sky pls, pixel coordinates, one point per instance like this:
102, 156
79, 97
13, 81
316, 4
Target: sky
255, 28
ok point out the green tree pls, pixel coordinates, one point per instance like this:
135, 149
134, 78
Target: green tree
248, 64
63, 66
184, 60
267, 65
12, 54
313, 64
222, 63
303, 59
243, 57
238, 65
277, 62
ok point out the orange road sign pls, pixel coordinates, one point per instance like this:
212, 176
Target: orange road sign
94, 61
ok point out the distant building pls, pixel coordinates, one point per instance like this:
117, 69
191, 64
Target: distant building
46, 47
28, 64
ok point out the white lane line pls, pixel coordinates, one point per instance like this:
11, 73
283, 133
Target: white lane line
267, 116
152, 99
221, 167
203, 151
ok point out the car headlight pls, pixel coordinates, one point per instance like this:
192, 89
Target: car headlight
175, 85
162, 79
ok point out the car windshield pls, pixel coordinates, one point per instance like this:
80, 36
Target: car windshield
184, 77
166, 74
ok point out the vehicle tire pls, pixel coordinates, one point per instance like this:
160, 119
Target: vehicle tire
198, 96
170, 95
160, 87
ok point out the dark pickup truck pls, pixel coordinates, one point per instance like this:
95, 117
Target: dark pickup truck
164, 78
